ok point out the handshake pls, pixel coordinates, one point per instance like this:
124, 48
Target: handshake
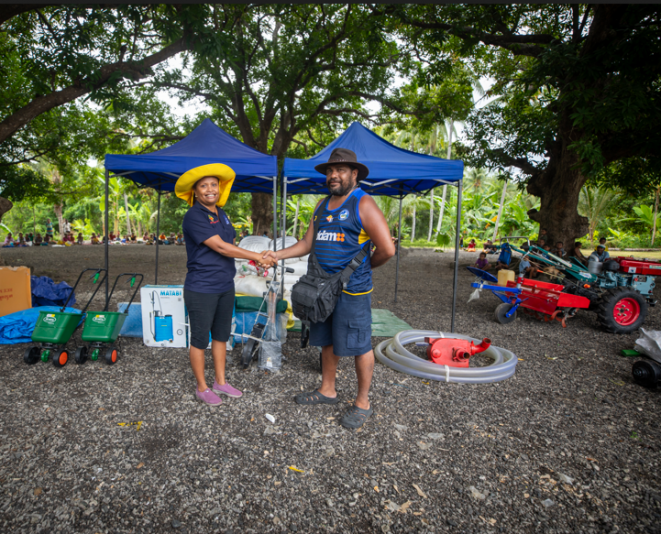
268, 259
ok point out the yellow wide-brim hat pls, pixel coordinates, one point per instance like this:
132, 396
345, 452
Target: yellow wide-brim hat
184, 186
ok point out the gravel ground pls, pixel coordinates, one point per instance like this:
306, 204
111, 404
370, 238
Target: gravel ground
569, 444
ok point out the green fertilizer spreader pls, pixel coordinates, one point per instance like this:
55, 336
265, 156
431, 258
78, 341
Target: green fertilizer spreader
54, 329
102, 328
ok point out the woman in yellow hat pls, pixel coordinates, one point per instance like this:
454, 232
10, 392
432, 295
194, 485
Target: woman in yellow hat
209, 286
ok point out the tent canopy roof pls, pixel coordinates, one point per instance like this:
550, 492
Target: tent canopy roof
393, 171
206, 144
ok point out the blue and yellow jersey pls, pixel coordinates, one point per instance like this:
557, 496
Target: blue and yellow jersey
340, 237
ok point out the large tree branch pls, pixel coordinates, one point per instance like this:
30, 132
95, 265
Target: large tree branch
519, 45
42, 104
8, 11
519, 163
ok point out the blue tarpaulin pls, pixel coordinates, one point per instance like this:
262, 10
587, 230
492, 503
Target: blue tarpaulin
393, 170
17, 327
206, 144
45, 292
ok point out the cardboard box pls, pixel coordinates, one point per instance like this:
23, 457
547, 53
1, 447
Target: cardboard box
164, 316
15, 290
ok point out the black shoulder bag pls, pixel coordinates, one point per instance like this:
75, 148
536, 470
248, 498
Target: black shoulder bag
314, 296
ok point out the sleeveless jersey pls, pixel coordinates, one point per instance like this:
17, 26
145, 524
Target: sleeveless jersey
339, 240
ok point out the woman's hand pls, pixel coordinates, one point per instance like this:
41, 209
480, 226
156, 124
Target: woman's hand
267, 259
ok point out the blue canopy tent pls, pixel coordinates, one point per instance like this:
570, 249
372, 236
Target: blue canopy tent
394, 172
255, 172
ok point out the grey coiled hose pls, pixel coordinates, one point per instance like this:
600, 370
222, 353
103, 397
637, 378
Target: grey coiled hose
392, 353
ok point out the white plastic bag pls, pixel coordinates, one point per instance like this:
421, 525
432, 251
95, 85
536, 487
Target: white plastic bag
254, 286
256, 243
650, 344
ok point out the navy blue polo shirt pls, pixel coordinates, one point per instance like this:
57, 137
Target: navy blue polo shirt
208, 271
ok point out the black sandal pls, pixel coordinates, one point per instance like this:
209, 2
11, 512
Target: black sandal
314, 397
355, 417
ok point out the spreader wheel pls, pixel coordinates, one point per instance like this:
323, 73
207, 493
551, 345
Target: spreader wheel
81, 355
31, 355
60, 358
248, 352
112, 354
501, 313
621, 310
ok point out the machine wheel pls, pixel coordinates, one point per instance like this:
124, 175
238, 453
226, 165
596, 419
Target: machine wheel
621, 310
249, 350
31, 355
501, 312
646, 373
111, 355
81, 355
60, 358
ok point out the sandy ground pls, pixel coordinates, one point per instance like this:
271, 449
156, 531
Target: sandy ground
569, 444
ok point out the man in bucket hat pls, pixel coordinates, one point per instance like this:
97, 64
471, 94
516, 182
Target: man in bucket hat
349, 220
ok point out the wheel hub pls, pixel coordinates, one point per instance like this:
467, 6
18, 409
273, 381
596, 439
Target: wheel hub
626, 311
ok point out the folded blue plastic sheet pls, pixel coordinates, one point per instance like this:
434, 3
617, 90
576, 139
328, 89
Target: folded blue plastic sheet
17, 327
246, 320
45, 292
132, 327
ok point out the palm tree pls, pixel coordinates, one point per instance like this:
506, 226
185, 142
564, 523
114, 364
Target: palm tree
594, 202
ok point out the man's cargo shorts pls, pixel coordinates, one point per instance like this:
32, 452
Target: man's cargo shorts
349, 327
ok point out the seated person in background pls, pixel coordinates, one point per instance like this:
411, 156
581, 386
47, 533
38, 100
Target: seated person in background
600, 254
20, 237
559, 250
112, 236
526, 269
576, 253
9, 241
145, 237
489, 247
38, 240
471, 245
21, 241
162, 239
172, 238
180, 239
47, 240
541, 243
482, 262
505, 257
149, 239
133, 238
524, 246
94, 239
602, 241
80, 238
29, 237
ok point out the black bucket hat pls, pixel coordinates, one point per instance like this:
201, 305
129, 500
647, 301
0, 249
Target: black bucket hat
344, 155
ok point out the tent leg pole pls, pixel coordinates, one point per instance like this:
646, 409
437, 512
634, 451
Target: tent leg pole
158, 230
456, 254
106, 235
283, 206
399, 244
275, 216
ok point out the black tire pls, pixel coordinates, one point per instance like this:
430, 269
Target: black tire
112, 355
81, 355
621, 310
501, 312
60, 357
31, 355
249, 350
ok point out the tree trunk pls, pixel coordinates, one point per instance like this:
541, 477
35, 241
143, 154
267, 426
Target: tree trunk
656, 210
298, 200
128, 220
558, 187
440, 214
431, 215
500, 211
57, 208
262, 213
445, 187
413, 226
